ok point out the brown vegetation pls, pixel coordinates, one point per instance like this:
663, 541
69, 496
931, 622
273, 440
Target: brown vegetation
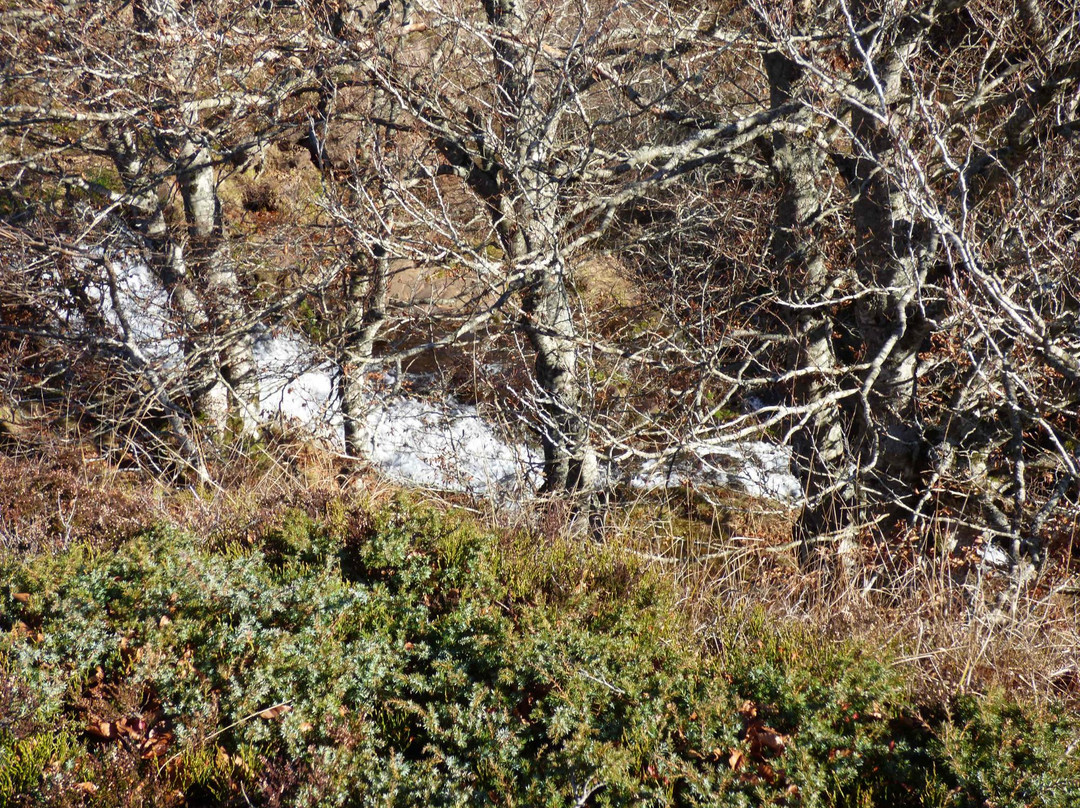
850, 229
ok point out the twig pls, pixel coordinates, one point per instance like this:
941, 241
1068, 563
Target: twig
236, 723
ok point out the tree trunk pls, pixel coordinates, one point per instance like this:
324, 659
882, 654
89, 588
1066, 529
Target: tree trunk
894, 250
367, 297
819, 447
231, 370
524, 205
569, 459
167, 257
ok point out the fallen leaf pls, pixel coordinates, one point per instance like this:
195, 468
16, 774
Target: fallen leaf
736, 760
103, 730
86, 788
763, 738
767, 772
270, 713
22, 597
156, 745
133, 727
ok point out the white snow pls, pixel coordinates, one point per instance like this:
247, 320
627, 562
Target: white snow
448, 446
146, 307
439, 444
296, 385
995, 556
757, 468
444, 445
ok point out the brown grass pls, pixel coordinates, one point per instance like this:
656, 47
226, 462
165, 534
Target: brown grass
955, 626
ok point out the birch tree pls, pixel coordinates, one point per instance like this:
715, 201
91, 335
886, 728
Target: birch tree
119, 124
501, 129
884, 145
912, 152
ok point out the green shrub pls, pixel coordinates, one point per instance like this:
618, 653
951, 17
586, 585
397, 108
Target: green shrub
1011, 755
25, 763
404, 657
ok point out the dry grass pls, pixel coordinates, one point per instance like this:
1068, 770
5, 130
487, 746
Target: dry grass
957, 626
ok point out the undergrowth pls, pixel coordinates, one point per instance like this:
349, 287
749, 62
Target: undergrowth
396, 654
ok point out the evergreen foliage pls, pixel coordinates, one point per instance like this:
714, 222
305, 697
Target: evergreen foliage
402, 656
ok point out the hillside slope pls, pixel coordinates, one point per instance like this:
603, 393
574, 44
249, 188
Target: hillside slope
338, 652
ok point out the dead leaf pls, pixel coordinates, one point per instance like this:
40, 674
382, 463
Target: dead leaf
133, 727
156, 745
22, 597
763, 738
736, 760
103, 730
86, 788
270, 713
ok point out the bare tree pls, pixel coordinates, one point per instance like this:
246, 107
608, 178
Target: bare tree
502, 132
138, 114
851, 229
908, 151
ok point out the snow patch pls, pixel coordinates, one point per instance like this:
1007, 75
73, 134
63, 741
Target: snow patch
444, 445
437, 444
995, 556
448, 446
757, 468
145, 304
297, 385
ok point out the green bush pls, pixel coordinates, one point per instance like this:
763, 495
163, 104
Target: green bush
1012, 755
404, 657
26, 762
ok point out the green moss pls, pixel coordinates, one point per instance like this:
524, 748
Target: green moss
105, 178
